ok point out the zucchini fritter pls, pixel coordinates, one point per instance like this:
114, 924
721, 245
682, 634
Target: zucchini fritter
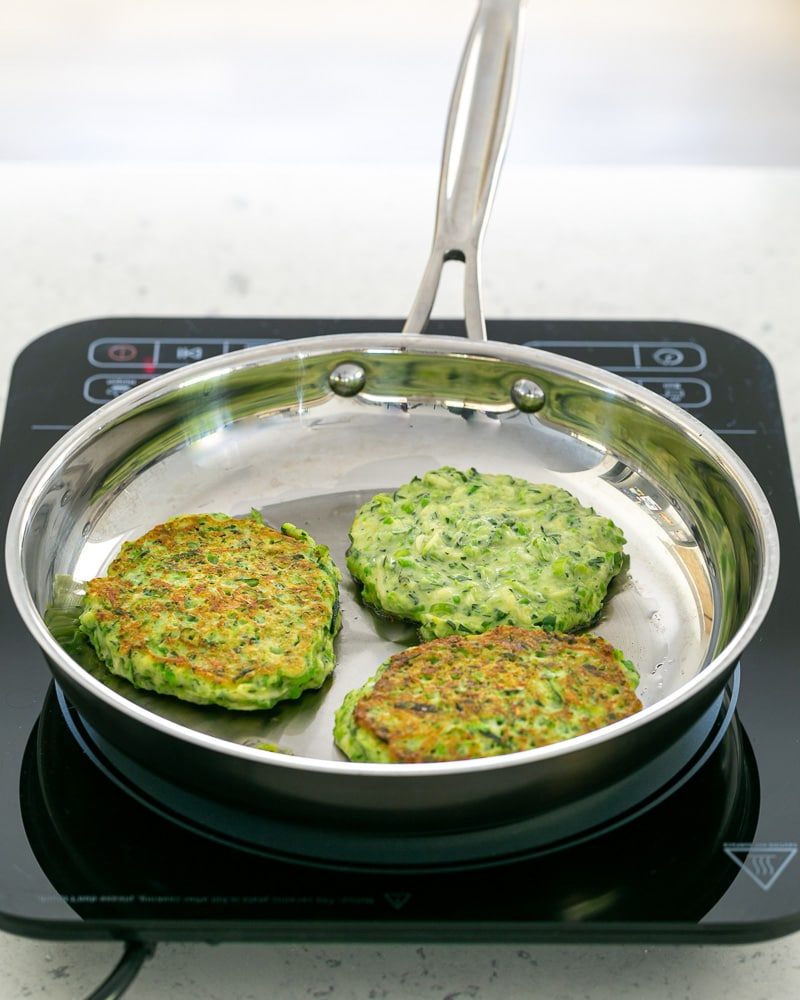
218, 610
463, 552
479, 696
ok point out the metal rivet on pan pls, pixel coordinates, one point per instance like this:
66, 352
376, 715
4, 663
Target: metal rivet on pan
528, 396
347, 379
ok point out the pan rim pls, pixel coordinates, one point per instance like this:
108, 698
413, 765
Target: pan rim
360, 343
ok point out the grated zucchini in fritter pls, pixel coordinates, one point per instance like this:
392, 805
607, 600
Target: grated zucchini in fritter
463, 552
506, 690
217, 610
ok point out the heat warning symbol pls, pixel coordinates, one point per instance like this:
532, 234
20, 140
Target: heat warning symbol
764, 863
397, 900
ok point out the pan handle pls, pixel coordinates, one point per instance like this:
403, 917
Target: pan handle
475, 140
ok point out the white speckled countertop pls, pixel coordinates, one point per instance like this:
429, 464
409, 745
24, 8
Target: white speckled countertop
709, 245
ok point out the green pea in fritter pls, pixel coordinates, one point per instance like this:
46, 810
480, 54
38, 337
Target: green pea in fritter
508, 689
463, 552
217, 610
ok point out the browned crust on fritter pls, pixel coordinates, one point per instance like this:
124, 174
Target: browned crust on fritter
508, 689
284, 581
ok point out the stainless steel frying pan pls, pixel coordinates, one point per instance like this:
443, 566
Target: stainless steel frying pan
307, 431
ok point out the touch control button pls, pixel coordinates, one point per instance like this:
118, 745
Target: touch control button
678, 357
612, 355
174, 353
690, 393
101, 388
132, 353
122, 352
241, 345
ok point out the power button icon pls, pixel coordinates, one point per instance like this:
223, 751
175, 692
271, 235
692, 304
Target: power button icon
132, 353
120, 353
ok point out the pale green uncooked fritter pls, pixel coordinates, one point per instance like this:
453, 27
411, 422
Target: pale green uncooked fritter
462, 552
217, 610
506, 690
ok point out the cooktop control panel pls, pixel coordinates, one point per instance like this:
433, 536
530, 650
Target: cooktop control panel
670, 368
124, 364
692, 366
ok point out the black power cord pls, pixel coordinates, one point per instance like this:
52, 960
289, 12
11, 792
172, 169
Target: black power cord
124, 972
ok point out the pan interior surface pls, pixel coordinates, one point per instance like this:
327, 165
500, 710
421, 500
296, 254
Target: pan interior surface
272, 435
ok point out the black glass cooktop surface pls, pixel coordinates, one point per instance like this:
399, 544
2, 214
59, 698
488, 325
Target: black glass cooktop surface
709, 854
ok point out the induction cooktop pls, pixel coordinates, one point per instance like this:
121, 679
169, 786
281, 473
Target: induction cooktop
89, 849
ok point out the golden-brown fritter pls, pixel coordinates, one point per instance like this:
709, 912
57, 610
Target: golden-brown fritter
508, 689
217, 610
